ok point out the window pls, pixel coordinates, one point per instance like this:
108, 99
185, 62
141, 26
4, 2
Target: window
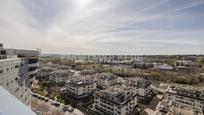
1, 71
32, 61
17, 66
16, 78
16, 89
3, 52
32, 68
32, 76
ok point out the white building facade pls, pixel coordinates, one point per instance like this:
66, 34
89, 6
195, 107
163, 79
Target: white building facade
115, 102
81, 88
17, 71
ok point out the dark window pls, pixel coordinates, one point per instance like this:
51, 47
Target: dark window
3, 52
17, 66
32, 76
31, 61
1, 71
7, 84
32, 68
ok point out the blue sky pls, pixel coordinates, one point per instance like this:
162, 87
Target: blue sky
104, 26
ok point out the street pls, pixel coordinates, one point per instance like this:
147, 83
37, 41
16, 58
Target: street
41, 107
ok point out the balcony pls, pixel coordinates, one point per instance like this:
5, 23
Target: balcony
33, 72
33, 65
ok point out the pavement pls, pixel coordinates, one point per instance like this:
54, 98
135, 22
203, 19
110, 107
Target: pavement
149, 111
47, 107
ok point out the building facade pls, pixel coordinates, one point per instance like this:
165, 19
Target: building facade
115, 101
17, 71
60, 76
81, 88
105, 80
182, 100
142, 86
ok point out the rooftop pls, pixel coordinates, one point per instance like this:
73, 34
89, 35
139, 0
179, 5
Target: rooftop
117, 94
80, 83
187, 91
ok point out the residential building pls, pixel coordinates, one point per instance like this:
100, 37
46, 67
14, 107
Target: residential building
106, 79
187, 65
80, 88
163, 67
17, 71
142, 65
168, 108
182, 100
60, 76
142, 86
116, 100
44, 73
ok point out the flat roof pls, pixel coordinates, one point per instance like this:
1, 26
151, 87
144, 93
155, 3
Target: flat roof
10, 105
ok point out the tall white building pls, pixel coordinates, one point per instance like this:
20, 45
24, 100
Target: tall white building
17, 71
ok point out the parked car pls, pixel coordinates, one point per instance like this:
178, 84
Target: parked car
57, 104
41, 98
46, 100
68, 108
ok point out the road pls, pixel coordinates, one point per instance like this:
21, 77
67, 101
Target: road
47, 107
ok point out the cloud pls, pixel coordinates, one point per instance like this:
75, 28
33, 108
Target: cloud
103, 27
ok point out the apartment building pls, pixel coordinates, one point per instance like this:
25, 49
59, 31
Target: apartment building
44, 73
106, 79
163, 67
182, 100
60, 76
17, 71
80, 88
117, 100
187, 65
142, 65
142, 86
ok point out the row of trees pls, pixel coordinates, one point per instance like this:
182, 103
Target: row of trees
132, 72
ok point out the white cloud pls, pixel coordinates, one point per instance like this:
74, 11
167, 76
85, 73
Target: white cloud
94, 26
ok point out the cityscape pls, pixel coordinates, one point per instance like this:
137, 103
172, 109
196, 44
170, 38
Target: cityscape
111, 57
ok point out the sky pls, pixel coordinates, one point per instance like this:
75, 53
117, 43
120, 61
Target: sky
104, 26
